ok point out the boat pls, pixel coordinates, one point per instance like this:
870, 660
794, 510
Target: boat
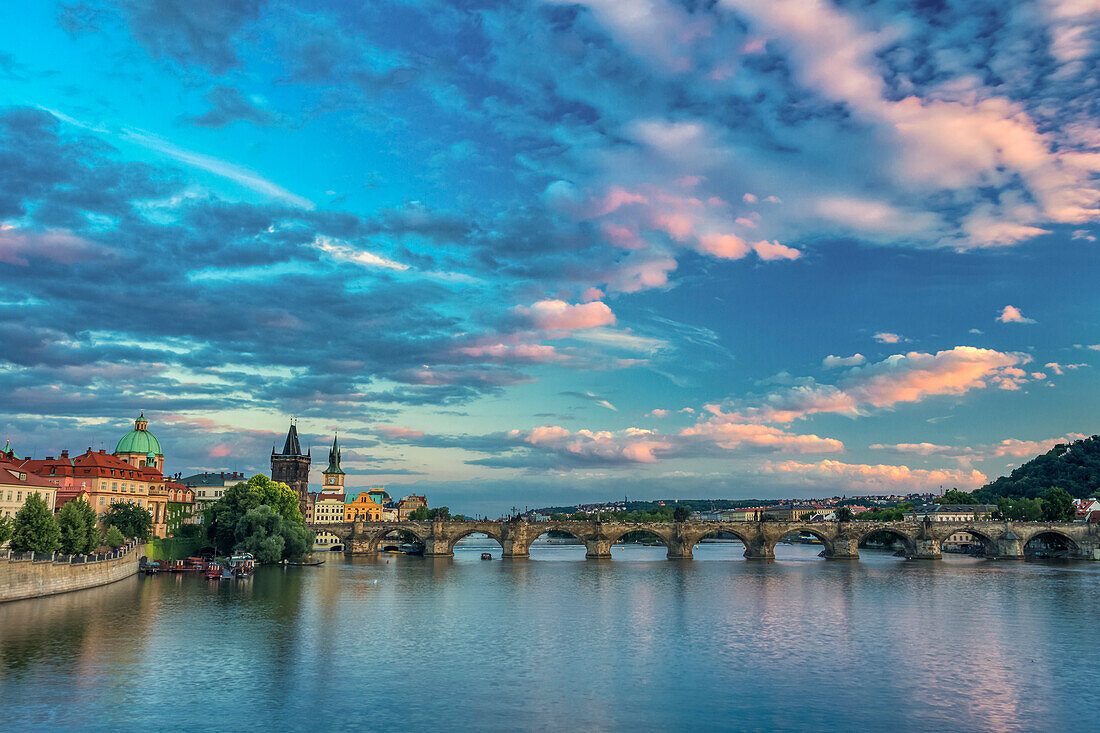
213, 571
305, 564
240, 566
152, 567
486, 556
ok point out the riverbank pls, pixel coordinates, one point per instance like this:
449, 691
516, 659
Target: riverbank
27, 575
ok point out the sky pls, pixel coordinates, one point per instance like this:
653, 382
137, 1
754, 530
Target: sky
534, 253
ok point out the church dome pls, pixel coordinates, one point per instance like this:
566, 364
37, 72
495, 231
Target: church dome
139, 440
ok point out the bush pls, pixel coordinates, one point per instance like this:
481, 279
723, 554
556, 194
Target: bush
5, 529
35, 529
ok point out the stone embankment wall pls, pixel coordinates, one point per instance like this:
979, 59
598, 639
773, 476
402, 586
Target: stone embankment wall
47, 575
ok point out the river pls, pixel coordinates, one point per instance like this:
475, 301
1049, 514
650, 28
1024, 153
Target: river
396, 643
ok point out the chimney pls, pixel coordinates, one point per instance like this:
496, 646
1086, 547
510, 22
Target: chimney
65, 453
222, 474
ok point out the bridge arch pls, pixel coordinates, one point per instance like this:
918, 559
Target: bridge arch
615, 536
908, 543
737, 532
1053, 540
801, 529
541, 531
988, 542
487, 531
381, 534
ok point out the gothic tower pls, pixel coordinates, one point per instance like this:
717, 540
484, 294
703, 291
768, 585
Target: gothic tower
292, 467
333, 475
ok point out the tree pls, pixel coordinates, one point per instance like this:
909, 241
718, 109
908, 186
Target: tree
681, 514
35, 529
843, 514
114, 538
270, 538
77, 521
5, 529
1021, 510
768, 518
954, 496
131, 519
1058, 505
239, 499
421, 514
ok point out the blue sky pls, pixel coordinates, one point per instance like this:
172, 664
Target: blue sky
548, 252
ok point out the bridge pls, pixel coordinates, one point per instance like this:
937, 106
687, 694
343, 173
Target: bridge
841, 540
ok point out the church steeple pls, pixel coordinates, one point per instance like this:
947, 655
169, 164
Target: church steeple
334, 475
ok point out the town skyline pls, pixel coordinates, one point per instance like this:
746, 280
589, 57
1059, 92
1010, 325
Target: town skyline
554, 252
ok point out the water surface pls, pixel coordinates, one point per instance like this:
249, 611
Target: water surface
557, 642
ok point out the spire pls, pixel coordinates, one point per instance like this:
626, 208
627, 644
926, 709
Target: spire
292, 447
334, 457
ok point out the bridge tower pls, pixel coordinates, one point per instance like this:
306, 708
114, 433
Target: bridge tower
291, 467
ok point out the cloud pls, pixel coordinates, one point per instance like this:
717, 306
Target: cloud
340, 250
832, 362
551, 315
18, 247
658, 412
1012, 314
590, 397
1032, 448
633, 445
229, 105
902, 378
735, 435
885, 337
876, 478
396, 431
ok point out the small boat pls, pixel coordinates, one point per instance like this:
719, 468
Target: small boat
486, 556
152, 568
213, 571
306, 564
240, 566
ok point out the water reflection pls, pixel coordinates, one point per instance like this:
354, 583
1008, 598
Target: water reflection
392, 642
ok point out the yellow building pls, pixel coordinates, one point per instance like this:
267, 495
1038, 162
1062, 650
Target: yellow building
16, 486
363, 509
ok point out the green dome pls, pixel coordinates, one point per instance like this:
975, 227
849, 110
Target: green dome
139, 440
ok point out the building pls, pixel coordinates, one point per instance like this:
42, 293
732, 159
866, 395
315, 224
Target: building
139, 447
960, 542
791, 512
17, 485
209, 486
181, 507
103, 479
950, 513
746, 514
1083, 508
329, 508
411, 503
291, 467
363, 509
333, 477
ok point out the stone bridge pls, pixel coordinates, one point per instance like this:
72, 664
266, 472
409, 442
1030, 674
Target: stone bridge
841, 540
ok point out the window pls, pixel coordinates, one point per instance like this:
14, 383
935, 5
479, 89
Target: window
114, 486
19, 496
102, 501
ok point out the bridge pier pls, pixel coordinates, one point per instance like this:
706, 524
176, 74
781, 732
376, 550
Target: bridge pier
598, 548
843, 547
759, 551
926, 549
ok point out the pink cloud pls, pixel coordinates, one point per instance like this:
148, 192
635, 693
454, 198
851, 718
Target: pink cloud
749, 198
551, 315
396, 431
901, 378
641, 274
657, 413
775, 251
592, 294
518, 352
734, 435
18, 247
622, 237
633, 445
1031, 448
726, 246
1012, 314
885, 337
220, 451
616, 198
880, 477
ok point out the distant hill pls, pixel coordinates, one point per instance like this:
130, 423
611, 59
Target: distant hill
695, 505
1074, 467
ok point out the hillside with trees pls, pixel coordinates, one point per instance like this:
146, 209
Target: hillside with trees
1074, 467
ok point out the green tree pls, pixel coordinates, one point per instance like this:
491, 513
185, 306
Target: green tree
77, 522
131, 519
1058, 505
35, 529
681, 514
843, 514
954, 496
422, 514
113, 538
270, 538
239, 499
5, 529
1020, 510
